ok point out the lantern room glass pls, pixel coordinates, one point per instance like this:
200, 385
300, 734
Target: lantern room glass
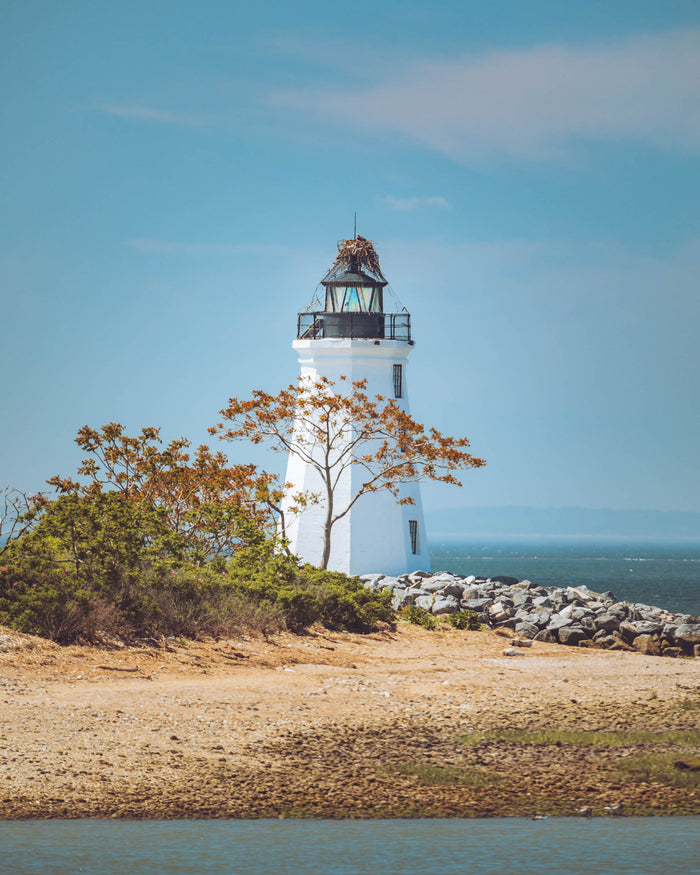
353, 299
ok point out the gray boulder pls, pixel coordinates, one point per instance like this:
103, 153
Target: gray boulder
556, 622
619, 610
628, 631
648, 644
648, 627
499, 612
688, 633
545, 635
603, 639
526, 630
631, 629
390, 584
424, 601
399, 599
455, 588
414, 592
415, 577
445, 604
607, 622
477, 605
371, 581
571, 635
588, 624
435, 584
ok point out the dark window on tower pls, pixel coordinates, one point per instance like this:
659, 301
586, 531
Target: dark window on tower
398, 381
413, 531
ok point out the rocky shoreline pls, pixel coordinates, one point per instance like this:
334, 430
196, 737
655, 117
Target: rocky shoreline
575, 616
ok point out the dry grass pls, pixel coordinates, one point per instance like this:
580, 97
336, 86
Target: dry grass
440, 776
603, 738
659, 768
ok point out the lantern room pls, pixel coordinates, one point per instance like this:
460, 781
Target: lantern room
354, 292
354, 300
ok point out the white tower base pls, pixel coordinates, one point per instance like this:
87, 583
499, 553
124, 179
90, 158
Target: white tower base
377, 534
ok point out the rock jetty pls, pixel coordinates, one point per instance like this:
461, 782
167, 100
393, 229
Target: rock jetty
572, 615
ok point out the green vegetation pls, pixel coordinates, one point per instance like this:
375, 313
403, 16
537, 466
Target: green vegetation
465, 620
669, 767
689, 704
129, 586
437, 776
662, 768
417, 616
459, 619
155, 544
602, 738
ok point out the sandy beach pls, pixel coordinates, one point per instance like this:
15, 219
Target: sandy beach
332, 725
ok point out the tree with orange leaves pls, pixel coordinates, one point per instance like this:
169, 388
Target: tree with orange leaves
214, 506
332, 430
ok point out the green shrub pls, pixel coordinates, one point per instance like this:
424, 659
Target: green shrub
258, 590
465, 620
418, 616
299, 607
306, 594
106, 564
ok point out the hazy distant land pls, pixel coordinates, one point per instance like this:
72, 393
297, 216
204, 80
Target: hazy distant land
563, 521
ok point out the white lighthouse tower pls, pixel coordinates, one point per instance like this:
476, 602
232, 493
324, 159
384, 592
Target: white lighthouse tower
354, 337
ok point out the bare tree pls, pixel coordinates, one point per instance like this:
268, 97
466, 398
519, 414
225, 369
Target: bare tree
18, 510
331, 431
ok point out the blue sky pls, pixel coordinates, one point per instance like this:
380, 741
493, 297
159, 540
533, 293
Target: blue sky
175, 177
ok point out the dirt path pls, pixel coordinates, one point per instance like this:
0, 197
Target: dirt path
332, 725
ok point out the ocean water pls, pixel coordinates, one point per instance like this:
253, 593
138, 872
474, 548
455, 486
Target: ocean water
626, 846
662, 573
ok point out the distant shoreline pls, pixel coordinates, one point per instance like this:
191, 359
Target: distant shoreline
509, 537
520, 522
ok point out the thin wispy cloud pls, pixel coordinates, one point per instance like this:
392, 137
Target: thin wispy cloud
139, 113
535, 104
414, 203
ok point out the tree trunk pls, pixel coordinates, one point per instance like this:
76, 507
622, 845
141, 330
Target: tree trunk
327, 526
326, 544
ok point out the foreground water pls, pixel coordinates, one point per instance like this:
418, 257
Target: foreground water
654, 573
627, 846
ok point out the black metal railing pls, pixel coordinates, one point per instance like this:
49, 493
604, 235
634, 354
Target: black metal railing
356, 326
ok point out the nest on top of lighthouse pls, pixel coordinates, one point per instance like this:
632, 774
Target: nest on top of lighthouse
356, 255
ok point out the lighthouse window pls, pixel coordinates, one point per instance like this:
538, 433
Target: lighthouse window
331, 301
413, 531
352, 303
398, 381
354, 299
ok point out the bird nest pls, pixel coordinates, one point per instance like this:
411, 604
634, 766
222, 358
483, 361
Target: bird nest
355, 255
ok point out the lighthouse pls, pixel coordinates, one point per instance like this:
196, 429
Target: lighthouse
348, 334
